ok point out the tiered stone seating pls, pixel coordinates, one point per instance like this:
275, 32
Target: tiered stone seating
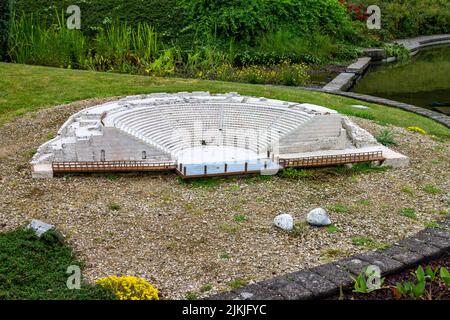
242, 125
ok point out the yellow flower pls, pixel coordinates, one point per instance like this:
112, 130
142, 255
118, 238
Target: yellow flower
416, 129
129, 288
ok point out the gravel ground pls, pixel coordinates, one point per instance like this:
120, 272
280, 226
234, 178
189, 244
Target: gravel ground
182, 237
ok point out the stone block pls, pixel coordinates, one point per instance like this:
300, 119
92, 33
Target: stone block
386, 264
318, 285
335, 274
403, 255
286, 287
420, 247
353, 265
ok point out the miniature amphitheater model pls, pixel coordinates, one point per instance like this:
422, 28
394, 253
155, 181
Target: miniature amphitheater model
198, 134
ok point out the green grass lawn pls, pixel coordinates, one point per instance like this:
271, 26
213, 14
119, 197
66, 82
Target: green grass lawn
35, 268
25, 88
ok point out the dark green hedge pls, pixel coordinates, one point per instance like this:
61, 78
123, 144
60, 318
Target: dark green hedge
239, 19
247, 19
5, 14
411, 18
165, 15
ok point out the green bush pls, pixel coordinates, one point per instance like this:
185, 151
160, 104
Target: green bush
5, 15
245, 20
404, 19
35, 268
386, 138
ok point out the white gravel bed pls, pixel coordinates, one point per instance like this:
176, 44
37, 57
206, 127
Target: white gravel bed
181, 237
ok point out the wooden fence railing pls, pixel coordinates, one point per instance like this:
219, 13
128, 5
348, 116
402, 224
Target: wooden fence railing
320, 161
109, 166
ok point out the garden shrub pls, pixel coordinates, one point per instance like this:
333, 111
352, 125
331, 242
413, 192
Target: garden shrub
129, 288
245, 20
386, 138
35, 268
5, 15
404, 19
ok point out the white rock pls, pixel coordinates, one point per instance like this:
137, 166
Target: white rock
284, 221
247, 295
359, 107
40, 227
318, 217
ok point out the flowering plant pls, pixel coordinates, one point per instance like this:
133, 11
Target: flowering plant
129, 288
416, 129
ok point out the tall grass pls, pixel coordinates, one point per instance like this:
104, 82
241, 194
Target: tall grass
119, 47
32, 43
116, 48
122, 48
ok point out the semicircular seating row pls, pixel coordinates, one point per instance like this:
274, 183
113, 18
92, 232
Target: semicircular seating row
248, 126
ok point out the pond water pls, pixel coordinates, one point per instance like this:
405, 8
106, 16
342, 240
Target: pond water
424, 81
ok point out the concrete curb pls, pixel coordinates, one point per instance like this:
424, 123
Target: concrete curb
326, 280
436, 116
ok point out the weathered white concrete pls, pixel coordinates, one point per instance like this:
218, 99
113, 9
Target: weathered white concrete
215, 154
195, 128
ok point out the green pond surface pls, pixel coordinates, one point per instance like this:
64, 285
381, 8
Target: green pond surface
424, 81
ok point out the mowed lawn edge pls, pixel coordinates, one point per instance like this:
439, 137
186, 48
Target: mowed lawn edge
26, 88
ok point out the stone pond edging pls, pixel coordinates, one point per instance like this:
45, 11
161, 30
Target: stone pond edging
436, 116
345, 80
327, 280
354, 72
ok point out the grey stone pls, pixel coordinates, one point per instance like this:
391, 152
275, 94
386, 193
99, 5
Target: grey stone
318, 285
335, 274
359, 66
359, 107
420, 247
287, 288
435, 237
318, 217
284, 221
342, 82
352, 265
255, 291
222, 296
40, 227
403, 255
445, 223
386, 264
375, 53
247, 295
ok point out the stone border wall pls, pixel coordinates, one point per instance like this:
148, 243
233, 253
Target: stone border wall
434, 115
326, 280
354, 72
